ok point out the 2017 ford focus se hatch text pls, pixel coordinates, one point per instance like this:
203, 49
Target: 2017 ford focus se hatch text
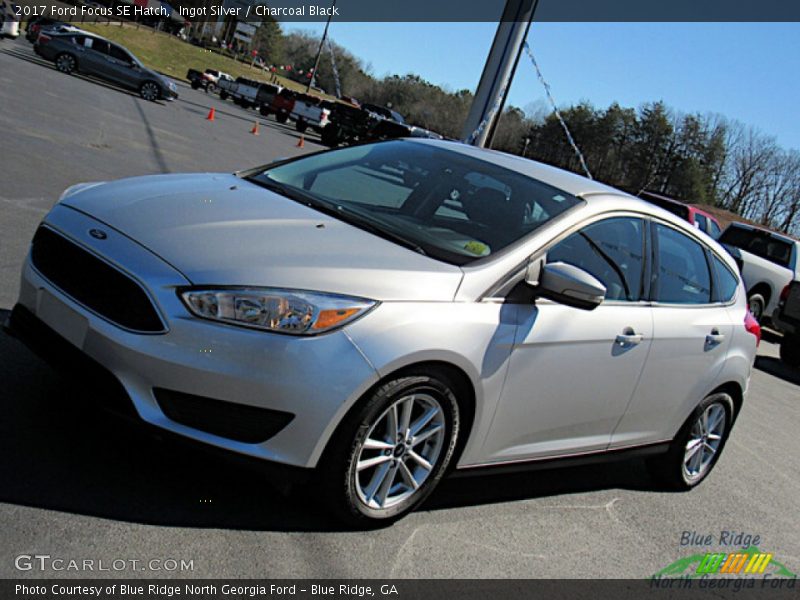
383, 314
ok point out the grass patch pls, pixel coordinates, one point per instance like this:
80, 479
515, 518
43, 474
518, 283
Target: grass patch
172, 56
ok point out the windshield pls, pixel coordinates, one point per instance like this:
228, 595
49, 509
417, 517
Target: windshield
450, 206
760, 243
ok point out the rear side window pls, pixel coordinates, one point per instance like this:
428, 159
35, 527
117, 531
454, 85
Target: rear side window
727, 282
611, 250
683, 275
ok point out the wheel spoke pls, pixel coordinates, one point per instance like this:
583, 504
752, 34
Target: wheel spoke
420, 423
408, 476
372, 444
405, 415
710, 449
716, 420
377, 479
386, 485
420, 460
371, 462
714, 436
421, 437
391, 423
691, 449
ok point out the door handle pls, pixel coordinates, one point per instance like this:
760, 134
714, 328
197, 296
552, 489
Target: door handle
715, 337
629, 338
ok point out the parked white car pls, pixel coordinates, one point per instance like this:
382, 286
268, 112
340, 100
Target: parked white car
375, 317
769, 263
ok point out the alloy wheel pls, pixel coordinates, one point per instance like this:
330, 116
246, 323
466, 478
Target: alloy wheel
149, 91
704, 441
65, 63
400, 451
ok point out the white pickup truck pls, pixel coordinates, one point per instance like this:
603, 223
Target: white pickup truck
310, 111
243, 91
769, 263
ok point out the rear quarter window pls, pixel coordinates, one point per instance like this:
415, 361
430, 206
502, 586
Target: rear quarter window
727, 282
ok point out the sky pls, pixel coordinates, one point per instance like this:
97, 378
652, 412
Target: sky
745, 71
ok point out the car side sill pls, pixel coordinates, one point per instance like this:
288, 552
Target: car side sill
571, 460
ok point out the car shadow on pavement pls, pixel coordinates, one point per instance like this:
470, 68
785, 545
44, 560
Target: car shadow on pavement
778, 368
58, 453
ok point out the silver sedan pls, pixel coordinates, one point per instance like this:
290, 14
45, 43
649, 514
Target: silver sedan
375, 317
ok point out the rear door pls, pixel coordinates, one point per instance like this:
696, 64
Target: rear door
94, 59
692, 331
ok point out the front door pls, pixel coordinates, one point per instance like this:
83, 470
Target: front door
572, 372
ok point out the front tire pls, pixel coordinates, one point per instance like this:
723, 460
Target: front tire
301, 126
391, 452
696, 449
66, 63
149, 91
223, 95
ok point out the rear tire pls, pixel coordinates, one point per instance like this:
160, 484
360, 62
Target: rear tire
195, 85
66, 63
696, 449
790, 350
392, 450
264, 110
756, 304
211, 88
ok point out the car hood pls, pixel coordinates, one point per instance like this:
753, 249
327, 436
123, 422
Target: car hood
218, 229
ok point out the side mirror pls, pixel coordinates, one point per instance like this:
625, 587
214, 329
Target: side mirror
566, 284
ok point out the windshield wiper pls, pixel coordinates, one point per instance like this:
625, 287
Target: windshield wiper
338, 211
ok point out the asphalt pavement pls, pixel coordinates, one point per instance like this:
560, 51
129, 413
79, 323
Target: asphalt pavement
79, 485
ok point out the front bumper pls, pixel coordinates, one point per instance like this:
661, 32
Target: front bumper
315, 379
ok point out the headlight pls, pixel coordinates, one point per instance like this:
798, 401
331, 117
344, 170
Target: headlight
295, 312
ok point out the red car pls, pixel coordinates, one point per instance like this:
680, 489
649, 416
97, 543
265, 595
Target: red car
699, 218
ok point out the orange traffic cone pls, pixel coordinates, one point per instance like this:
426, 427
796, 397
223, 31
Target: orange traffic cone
254, 130
211, 114
301, 143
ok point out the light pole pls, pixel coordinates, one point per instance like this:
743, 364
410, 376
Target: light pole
319, 50
497, 73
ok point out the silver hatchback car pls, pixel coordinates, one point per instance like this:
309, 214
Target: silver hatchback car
380, 315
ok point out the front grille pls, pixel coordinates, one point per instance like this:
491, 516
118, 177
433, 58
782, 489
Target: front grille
238, 422
93, 282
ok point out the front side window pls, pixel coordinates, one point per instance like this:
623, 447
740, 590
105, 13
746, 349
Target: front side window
683, 276
445, 203
612, 250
